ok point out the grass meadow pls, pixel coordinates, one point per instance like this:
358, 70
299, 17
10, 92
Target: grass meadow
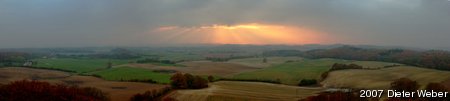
129, 73
292, 72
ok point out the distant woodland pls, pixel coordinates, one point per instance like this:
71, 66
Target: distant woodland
435, 59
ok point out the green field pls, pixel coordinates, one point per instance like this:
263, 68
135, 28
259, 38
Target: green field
129, 73
291, 73
77, 65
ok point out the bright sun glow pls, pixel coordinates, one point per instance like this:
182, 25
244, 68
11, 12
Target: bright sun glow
233, 27
240, 34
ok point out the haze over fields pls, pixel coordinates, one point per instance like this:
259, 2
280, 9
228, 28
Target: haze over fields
80, 23
224, 50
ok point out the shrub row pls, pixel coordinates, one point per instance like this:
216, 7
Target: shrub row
43, 91
250, 80
153, 95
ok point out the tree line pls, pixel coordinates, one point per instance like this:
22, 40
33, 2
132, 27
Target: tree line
178, 81
187, 81
338, 66
155, 60
153, 95
227, 58
278, 81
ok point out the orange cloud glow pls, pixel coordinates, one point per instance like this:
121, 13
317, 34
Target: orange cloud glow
241, 34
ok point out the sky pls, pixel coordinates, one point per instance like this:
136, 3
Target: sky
80, 23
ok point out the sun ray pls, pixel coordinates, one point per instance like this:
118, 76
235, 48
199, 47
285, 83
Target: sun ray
241, 34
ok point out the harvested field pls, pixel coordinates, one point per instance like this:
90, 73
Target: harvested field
118, 91
8, 74
381, 79
245, 91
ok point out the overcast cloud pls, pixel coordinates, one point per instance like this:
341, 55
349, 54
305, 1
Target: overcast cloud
76, 23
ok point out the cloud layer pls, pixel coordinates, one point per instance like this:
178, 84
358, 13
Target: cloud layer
59, 23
